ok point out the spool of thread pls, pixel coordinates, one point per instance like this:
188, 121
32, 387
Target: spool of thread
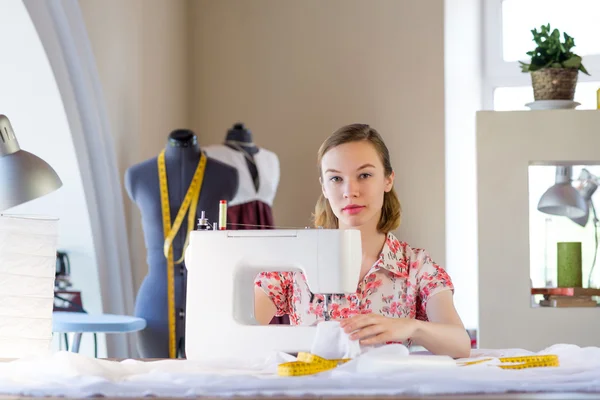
222, 215
568, 257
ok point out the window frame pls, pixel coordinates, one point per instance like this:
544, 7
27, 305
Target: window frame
500, 73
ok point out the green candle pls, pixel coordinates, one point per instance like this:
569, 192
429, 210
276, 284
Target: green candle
568, 256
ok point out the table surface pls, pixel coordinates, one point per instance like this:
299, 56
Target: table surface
64, 321
507, 396
485, 396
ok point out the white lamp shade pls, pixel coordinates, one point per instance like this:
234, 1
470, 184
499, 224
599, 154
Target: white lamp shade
27, 269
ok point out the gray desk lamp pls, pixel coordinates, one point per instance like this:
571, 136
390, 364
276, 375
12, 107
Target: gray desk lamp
562, 198
23, 176
573, 202
586, 186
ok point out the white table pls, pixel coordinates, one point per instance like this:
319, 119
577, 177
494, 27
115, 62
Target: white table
79, 323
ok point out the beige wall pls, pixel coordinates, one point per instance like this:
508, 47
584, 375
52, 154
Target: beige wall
296, 71
141, 50
293, 72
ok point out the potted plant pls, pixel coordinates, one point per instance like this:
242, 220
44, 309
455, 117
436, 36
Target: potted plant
553, 67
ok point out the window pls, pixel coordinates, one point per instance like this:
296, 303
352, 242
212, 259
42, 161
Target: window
508, 25
579, 18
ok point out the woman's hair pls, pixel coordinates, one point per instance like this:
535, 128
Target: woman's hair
391, 211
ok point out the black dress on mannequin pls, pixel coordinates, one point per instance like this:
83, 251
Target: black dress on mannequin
220, 182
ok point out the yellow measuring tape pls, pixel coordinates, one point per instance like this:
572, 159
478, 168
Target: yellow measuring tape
189, 202
523, 362
309, 364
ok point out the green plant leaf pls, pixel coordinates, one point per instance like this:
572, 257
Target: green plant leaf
535, 67
550, 51
582, 69
573, 62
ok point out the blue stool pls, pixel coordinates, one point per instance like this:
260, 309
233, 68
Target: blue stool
79, 323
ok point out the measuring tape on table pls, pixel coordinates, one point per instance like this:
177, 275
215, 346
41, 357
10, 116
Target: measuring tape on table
308, 364
190, 202
522, 362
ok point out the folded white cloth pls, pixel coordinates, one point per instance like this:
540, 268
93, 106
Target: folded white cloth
331, 342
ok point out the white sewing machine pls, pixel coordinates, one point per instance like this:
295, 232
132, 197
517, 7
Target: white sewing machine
222, 266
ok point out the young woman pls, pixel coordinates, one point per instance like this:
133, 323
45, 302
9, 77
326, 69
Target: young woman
402, 296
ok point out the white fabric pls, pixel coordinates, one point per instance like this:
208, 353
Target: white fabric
75, 375
267, 165
395, 358
331, 342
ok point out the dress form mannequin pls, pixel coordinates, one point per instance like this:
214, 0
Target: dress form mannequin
239, 138
258, 169
220, 182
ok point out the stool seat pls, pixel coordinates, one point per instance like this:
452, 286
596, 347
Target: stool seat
64, 321
79, 323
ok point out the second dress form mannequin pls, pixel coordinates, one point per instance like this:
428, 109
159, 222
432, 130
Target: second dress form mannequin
220, 182
258, 169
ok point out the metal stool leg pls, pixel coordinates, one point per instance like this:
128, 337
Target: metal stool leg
76, 342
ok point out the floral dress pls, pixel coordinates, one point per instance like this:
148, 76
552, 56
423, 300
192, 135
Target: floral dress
399, 284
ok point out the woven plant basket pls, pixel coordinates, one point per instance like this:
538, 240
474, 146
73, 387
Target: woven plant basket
554, 83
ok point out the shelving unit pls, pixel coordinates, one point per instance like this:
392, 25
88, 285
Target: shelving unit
507, 144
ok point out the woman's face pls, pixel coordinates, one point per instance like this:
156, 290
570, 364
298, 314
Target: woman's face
354, 182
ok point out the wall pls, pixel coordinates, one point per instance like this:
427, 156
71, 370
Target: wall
294, 72
31, 100
141, 50
463, 96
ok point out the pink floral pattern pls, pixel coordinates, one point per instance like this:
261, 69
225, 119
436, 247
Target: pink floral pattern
398, 285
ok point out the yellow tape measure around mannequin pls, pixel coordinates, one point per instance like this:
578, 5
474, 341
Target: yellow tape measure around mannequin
522, 362
190, 202
308, 364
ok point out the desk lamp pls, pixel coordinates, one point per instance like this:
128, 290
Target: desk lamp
27, 251
573, 201
562, 198
23, 176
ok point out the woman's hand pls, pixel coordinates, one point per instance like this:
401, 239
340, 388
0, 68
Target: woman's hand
372, 329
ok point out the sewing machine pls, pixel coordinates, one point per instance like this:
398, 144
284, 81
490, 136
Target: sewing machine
222, 266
